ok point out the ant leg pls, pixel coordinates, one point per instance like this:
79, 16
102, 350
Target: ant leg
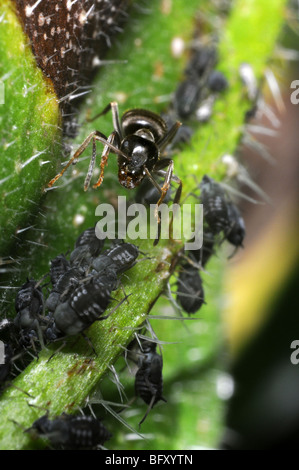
73, 158
169, 176
104, 159
115, 119
113, 107
156, 185
102, 113
152, 180
91, 166
95, 135
167, 138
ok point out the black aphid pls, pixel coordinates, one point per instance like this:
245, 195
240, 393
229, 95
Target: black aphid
190, 293
215, 209
187, 97
71, 432
203, 255
217, 82
236, 230
202, 61
64, 287
123, 256
87, 247
29, 305
59, 266
148, 378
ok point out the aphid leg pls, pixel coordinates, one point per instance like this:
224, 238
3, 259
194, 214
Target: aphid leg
105, 404
58, 349
150, 406
88, 340
104, 160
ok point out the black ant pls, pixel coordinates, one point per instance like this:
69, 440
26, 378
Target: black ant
139, 139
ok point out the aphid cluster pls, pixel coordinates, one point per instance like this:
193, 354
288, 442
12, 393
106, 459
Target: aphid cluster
222, 221
81, 290
88, 297
220, 213
195, 96
80, 294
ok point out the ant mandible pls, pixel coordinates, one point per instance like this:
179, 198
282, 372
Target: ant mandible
139, 139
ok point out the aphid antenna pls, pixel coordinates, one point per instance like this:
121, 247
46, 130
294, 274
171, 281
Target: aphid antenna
118, 383
169, 296
169, 317
126, 353
191, 296
149, 328
116, 415
137, 336
158, 341
133, 328
258, 147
